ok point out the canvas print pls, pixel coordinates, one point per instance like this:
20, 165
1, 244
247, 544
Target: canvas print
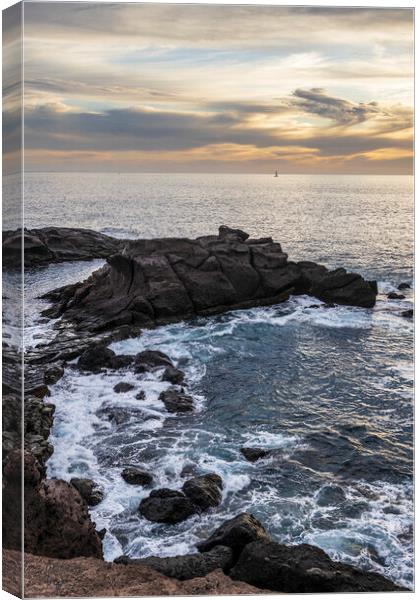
208, 299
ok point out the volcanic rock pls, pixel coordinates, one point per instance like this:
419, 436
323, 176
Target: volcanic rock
404, 286
204, 491
236, 533
176, 401
408, 314
167, 506
254, 454
88, 489
173, 375
52, 374
395, 296
135, 476
302, 569
123, 387
96, 358
148, 360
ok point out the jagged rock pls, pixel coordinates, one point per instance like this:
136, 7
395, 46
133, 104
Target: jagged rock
141, 395
53, 374
88, 489
135, 476
395, 296
96, 358
204, 491
176, 401
254, 454
167, 506
404, 286
166, 280
302, 569
187, 566
236, 533
122, 387
57, 521
330, 495
408, 314
148, 360
173, 375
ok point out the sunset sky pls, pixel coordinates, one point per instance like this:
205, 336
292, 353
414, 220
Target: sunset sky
117, 87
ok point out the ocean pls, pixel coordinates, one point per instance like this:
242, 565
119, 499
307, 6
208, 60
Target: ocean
329, 390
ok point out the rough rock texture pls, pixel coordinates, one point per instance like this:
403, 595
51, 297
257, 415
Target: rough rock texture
302, 569
187, 566
176, 401
122, 387
204, 491
57, 522
88, 489
236, 533
164, 280
173, 375
254, 454
57, 244
167, 506
136, 476
149, 360
90, 577
97, 357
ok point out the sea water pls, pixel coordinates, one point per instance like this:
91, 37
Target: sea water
328, 390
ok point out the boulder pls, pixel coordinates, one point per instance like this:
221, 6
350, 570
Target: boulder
302, 569
136, 476
227, 233
342, 287
122, 387
149, 360
173, 375
395, 296
52, 374
187, 566
408, 314
166, 506
96, 358
404, 286
141, 395
176, 402
254, 454
204, 491
236, 533
88, 489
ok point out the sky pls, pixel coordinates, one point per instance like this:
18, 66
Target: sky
243, 89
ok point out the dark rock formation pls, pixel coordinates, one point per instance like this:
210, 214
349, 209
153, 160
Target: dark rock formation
149, 360
136, 476
123, 387
395, 296
57, 244
141, 395
53, 374
404, 286
176, 401
173, 375
330, 495
254, 454
57, 521
302, 569
236, 533
204, 491
187, 566
408, 314
165, 280
96, 358
88, 489
167, 506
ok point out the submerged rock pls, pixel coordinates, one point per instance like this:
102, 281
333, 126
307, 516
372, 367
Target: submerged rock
123, 387
204, 491
167, 506
408, 314
88, 489
176, 401
236, 533
395, 296
187, 566
53, 374
330, 495
254, 454
404, 286
136, 476
302, 569
148, 360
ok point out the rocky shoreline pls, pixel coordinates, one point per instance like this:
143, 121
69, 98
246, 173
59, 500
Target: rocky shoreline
146, 283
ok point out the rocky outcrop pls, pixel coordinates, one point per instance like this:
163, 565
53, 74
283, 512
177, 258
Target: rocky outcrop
164, 280
254, 454
236, 533
176, 401
88, 489
204, 491
136, 476
57, 521
187, 566
302, 569
167, 506
57, 244
90, 577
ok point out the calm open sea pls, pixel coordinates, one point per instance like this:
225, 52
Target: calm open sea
330, 390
